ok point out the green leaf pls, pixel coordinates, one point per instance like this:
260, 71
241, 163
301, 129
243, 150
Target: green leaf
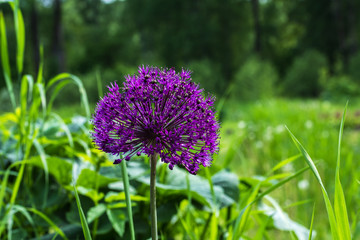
60, 168
5, 60
42, 156
120, 196
20, 35
329, 208
91, 193
117, 219
87, 179
285, 162
27, 83
84, 224
342, 219
48, 220
66, 76
64, 127
312, 222
241, 220
95, 212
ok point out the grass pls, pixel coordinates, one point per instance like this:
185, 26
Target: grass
255, 139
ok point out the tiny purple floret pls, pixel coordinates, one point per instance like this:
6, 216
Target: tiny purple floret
158, 111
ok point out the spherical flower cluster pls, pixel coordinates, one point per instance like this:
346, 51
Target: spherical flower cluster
158, 111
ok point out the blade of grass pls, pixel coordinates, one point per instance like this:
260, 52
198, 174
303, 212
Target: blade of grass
214, 227
64, 76
27, 83
339, 198
262, 228
127, 197
312, 222
244, 214
84, 224
20, 35
270, 189
42, 155
329, 208
48, 220
208, 176
5, 60
285, 162
65, 128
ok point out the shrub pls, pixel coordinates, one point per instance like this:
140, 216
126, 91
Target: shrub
354, 67
208, 75
302, 79
254, 80
342, 86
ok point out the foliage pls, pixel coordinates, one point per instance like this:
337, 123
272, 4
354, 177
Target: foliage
340, 87
208, 75
302, 78
354, 70
255, 79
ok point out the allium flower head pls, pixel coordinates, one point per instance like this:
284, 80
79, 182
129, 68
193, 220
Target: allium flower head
158, 111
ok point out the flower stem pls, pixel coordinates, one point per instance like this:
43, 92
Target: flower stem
153, 160
127, 197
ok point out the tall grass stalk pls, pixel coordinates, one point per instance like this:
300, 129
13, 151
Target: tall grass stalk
127, 198
337, 215
83, 221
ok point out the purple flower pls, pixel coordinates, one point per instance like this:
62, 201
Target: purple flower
158, 111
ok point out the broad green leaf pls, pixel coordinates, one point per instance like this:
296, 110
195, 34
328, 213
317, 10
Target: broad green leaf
342, 219
91, 193
96, 212
84, 224
60, 169
120, 196
117, 219
87, 179
281, 219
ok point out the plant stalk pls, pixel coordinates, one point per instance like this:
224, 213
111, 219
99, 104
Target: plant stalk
127, 198
153, 160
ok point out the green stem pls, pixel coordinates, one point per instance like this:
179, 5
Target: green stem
96, 222
127, 197
153, 159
